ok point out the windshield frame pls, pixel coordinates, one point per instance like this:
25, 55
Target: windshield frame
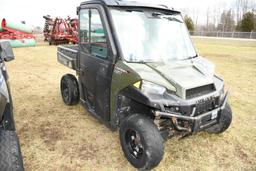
142, 9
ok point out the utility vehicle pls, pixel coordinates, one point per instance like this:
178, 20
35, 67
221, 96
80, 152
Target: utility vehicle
10, 154
138, 71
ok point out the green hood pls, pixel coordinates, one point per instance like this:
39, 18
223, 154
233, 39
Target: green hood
177, 75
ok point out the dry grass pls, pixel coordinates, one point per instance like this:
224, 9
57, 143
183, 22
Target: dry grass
56, 137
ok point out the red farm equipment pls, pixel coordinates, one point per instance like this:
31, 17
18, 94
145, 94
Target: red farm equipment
18, 34
60, 31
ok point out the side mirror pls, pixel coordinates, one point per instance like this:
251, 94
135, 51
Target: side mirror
6, 52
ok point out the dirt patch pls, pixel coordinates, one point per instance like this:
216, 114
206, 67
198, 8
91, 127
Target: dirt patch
87, 152
50, 135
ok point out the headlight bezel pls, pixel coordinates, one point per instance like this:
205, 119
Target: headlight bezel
148, 87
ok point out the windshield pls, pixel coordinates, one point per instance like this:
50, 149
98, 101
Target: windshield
147, 36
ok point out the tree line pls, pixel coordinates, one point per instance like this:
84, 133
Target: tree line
240, 16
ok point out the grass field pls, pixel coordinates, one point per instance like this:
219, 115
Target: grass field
56, 137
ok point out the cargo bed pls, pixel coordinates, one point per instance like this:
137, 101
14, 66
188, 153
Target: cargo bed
67, 55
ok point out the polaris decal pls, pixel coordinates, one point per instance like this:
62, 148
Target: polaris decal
120, 71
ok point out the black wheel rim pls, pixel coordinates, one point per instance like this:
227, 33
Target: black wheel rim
64, 91
134, 144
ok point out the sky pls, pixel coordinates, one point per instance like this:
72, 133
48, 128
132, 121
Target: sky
32, 11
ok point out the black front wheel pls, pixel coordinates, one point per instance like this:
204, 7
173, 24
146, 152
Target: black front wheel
141, 142
224, 122
69, 89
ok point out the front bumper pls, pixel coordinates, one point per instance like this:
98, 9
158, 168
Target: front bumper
194, 123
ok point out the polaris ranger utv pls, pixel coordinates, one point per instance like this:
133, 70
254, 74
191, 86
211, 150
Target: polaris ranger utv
10, 154
138, 71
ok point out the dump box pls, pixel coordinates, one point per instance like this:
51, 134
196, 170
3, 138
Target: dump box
67, 55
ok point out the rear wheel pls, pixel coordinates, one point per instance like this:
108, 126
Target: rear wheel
141, 142
69, 89
224, 122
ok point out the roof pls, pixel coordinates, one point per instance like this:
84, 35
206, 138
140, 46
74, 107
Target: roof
125, 3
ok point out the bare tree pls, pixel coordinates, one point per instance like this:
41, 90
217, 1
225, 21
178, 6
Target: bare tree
227, 22
207, 17
238, 10
222, 15
195, 17
245, 6
193, 13
215, 15
253, 5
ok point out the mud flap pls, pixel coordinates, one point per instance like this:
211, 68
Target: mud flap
10, 154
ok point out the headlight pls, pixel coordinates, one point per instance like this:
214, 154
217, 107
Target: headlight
148, 87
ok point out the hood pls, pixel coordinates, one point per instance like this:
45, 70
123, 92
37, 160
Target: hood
178, 76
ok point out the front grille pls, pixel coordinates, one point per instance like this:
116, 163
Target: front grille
199, 91
202, 106
206, 105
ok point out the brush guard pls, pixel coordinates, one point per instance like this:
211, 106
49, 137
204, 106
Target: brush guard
194, 123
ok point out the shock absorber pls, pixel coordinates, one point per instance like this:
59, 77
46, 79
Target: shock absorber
164, 126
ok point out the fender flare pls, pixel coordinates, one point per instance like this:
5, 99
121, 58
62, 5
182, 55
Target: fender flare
3, 103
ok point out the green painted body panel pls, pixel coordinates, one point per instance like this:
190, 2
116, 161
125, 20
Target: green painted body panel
147, 73
184, 75
21, 43
122, 77
19, 27
126, 74
177, 76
